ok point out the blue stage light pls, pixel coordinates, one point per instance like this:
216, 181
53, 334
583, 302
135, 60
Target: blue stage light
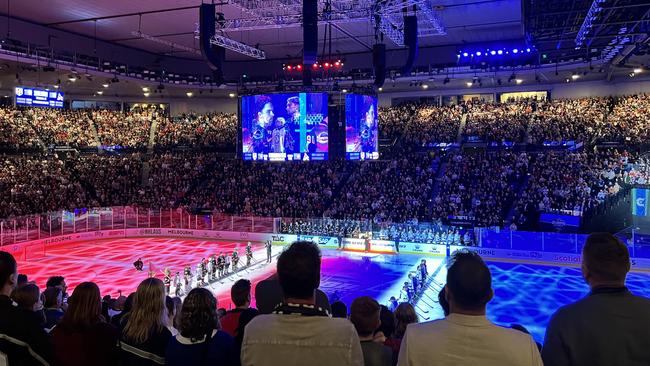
493, 52
478, 53
515, 51
465, 54
528, 50
500, 52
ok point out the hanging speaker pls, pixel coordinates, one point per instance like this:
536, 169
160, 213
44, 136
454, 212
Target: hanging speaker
379, 63
410, 41
310, 37
213, 55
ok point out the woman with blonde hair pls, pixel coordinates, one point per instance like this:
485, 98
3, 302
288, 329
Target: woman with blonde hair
83, 337
145, 335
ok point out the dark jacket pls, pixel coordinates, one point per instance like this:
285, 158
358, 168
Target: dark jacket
218, 351
376, 354
608, 327
96, 345
22, 338
268, 294
151, 352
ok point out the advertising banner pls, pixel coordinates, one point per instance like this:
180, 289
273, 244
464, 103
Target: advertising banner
354, 244
421, 248
382, 246
321, 241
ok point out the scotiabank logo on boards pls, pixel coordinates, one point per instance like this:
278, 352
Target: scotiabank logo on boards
566, 258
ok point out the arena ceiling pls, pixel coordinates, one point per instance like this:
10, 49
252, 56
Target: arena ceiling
466, 21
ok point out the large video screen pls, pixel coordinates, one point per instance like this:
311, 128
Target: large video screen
38, 97
287, 126
361, 130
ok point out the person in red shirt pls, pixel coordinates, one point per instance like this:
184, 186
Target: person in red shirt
240, 293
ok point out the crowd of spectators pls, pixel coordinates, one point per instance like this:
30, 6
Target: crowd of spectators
572, 182
213, 129
433, 125
479, 186
127, 130
150, 328
62, 127
16, 131
628, 121
557, 121
37, 184
502, 122
388, 191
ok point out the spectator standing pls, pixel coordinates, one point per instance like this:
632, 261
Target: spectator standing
53, 313
23, 340
200, 342
299, 331
240, 294
466, 337
145, 335
83, 337
610, 326
364, 315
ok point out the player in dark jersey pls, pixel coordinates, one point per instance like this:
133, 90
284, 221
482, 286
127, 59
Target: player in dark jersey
249, 254
213, 267
235, 260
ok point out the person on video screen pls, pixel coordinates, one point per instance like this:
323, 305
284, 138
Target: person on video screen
264, 116
281, 138
368, 131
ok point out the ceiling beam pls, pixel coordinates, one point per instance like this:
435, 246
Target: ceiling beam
127, 15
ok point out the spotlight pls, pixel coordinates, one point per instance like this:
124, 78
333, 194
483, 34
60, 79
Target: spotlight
478, 53
146, 94
425, 86
327, 65
232, 95
298, 67
289, 67
344, 90
189, 94
380, 89
638, 70
72, 78
500, 52
105, 85
567, 80
465, 54
528, 50
519, 81
100, 92
315, 66
575, 76
145, 89
493, 52
515, 50
56, 86
469, 83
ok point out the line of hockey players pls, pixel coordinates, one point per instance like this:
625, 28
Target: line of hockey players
208, 270
412, 288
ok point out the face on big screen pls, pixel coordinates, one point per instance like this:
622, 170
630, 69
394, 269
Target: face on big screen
370, 116
265, 116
